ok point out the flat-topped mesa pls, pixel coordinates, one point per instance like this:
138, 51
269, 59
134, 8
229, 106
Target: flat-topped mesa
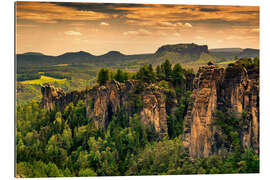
216, 89
184, 49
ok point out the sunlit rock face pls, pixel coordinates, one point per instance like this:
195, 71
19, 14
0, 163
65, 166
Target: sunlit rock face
199, 132
239, 93
109, 99
234, 89
102, 102
50, 95
56, 98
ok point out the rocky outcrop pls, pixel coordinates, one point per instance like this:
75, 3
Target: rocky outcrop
50, 95
198, 132
154, 109
56, 98
234, 89
104, 101
238, 94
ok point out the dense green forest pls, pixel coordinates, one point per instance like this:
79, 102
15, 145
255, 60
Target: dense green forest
66, 143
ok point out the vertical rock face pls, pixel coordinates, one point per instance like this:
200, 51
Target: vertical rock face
104, 101
239, 93
56, 98
50, 95
154, 109
235, 89
198, 132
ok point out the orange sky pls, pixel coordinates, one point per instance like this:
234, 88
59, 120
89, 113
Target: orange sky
56, 28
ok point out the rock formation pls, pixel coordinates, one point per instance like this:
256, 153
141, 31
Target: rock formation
236, 90
104, 101
56, 98
198, 132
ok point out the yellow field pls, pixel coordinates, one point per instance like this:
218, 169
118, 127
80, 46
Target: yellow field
227, 62
43, 80
61, 65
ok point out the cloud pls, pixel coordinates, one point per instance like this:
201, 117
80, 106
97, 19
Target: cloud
187, 25
107, 8
209, 9
232, 37
45, 12
26, 25
104, 24
73, 33
255, 30
77, 24
177, 34
151, 16
172, 25
140, 32
220, 41
199, 37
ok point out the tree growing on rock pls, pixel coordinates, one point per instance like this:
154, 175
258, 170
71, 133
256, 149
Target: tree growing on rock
103, 76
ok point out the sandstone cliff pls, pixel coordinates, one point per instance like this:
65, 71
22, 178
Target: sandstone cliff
102, 102
198, 133
234, 89
56, 98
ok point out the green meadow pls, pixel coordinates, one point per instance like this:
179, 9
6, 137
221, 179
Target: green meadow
44, 79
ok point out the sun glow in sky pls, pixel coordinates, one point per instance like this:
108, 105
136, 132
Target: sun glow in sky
55, 28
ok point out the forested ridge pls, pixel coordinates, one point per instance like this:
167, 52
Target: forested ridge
51, 143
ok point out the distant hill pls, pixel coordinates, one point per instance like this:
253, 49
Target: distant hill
192, 50
75, 57
112, 54
33, 53
179, 53
226, 50
81, 57
230, 53
176, 53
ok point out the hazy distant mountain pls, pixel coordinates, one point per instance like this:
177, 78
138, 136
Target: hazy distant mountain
226, 50
180, 53
176, 53
81, 57
189, 49
112, 54
34, 53
229, 53
75, 57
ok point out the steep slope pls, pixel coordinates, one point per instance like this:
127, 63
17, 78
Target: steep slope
104, 101
234, 90
198, 133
